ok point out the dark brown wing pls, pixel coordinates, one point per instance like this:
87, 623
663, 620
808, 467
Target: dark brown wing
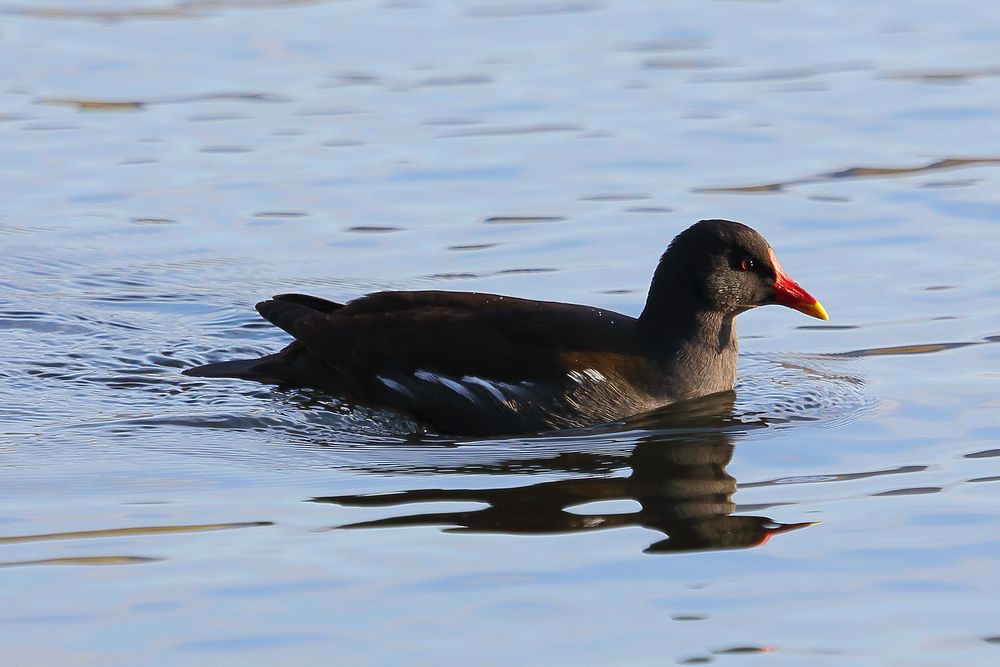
450, 357
485, 335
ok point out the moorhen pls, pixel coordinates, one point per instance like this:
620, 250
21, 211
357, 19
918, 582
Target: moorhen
477, 364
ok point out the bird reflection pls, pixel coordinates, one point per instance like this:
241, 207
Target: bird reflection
678, 477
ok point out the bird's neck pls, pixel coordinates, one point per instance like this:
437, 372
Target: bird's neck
675, 309
710, 331
697, 348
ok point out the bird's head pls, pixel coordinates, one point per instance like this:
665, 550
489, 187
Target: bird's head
729, 267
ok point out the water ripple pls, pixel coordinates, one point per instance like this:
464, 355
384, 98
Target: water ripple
854, 172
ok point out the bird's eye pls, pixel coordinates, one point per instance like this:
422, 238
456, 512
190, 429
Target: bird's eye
746, 264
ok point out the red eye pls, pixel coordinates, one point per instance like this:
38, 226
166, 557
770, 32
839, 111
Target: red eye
746, 264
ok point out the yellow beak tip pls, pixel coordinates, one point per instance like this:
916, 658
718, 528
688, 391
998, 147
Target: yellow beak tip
814, 309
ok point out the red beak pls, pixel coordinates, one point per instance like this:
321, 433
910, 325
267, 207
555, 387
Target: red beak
784, 528
788, 293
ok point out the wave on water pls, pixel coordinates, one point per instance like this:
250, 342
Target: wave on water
782, 390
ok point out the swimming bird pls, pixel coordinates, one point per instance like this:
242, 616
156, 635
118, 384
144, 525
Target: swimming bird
484, 364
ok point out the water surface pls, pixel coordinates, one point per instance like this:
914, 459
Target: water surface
168, 164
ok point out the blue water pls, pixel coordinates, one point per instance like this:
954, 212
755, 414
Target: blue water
165, 165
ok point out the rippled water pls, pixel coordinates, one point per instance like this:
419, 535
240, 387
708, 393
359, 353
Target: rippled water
168, 164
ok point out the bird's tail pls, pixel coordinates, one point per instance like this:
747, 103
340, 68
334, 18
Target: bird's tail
259, 369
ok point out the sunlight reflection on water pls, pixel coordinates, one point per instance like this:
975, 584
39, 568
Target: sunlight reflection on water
168, 164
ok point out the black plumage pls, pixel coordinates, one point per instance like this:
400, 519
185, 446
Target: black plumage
474, 363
